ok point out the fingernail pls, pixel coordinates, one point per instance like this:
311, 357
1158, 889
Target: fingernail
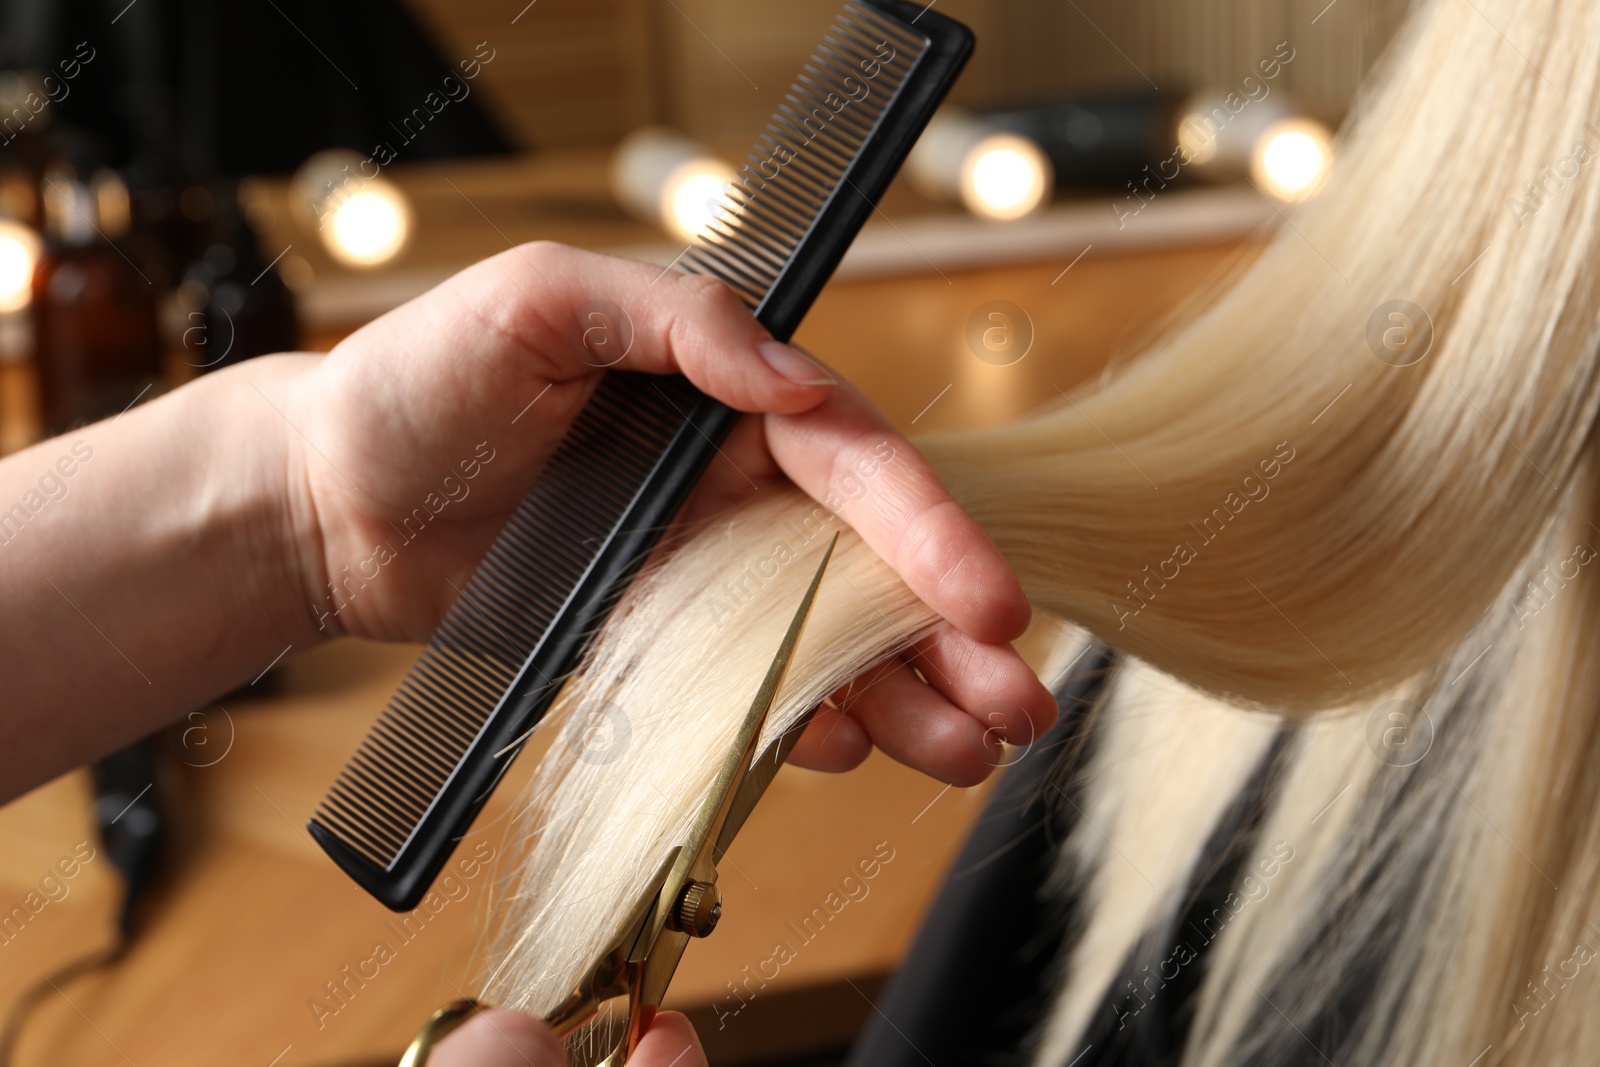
791, 363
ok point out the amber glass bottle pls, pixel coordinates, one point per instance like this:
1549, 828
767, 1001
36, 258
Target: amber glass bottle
96, 341
235, 304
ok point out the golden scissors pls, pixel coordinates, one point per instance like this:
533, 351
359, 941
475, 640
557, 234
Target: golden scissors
682, 900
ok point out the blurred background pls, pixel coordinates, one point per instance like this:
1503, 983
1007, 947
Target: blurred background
185, 185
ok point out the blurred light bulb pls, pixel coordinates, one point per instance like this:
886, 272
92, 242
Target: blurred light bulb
1292, 159
112, 205
369, 227
1196, 138
663, 177
994, 173
1218, 131
19, 252
1005, 176
362, 218
692, 195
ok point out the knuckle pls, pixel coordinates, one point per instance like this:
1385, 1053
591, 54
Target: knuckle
958, 658
677, 337
849, 457
930, 546
542, 253
707, 290
694, 327
709, 306
496, 305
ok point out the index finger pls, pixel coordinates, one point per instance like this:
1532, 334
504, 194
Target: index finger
847, 456
570, 312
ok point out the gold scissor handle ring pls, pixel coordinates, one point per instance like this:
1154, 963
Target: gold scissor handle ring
439, 1026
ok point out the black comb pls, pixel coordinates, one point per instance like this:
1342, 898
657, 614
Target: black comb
630, 459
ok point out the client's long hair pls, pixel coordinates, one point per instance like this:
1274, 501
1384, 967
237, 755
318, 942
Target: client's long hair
1276, 511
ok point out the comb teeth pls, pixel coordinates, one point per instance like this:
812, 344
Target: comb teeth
477, 652
826, 119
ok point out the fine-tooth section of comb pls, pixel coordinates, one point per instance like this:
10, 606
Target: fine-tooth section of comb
631, 458
801, 164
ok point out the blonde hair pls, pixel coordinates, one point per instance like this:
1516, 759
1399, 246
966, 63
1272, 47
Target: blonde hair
1276, 511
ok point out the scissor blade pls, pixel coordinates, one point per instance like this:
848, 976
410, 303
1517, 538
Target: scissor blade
756, 779
755, 785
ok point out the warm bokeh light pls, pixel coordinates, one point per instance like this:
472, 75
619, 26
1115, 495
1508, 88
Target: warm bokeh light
369, 227
993, 173
1005, 176
361, 217
663, 177
113, 207
691, 195
1197, 139
1292, 159
19, 252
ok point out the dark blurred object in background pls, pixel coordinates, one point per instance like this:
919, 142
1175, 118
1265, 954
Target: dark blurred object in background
234, 305
233, 89
124, 129
1098, 140
96, 338
129, 817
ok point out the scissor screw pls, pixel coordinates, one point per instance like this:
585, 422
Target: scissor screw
698, 910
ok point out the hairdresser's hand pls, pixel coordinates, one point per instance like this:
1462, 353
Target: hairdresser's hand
420, 433
511, 1039
943, 706
417, 436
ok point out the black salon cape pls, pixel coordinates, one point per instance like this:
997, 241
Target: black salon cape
976, 986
